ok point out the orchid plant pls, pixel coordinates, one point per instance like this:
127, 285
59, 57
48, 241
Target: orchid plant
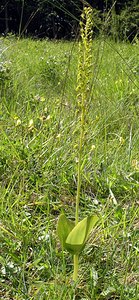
74, 235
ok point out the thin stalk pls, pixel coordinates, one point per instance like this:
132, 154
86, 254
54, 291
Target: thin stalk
76, 267
130, 144
76, 256
79, 173
21, 18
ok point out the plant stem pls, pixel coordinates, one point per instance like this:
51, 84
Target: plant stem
79, 177
76, 256
76, 267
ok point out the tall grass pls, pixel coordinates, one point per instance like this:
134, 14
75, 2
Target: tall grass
38, 162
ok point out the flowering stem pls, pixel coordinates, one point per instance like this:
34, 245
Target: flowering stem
83, 88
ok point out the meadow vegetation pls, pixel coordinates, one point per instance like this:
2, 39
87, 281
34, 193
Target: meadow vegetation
38, 169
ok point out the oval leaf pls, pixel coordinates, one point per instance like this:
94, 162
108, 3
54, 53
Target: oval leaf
78, 236
64, 227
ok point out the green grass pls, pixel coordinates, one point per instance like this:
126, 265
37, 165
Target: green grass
38, 170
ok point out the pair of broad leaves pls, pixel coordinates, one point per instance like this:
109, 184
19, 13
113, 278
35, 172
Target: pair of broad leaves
74, 237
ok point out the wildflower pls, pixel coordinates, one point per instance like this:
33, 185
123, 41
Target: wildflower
93, 147
42, 99
18, 122
31, 124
